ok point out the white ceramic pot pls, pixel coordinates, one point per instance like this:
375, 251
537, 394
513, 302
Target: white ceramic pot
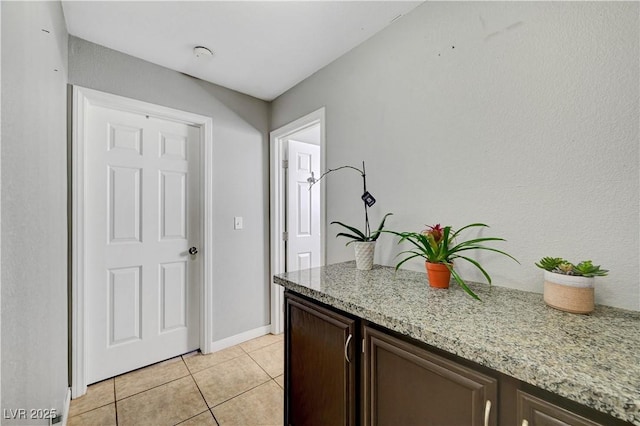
569, 293
364, 254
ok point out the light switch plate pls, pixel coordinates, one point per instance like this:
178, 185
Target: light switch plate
237, 222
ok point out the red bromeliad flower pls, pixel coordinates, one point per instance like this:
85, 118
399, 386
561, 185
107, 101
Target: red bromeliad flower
436, 232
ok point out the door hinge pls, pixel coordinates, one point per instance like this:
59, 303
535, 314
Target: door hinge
285, 164
285, 236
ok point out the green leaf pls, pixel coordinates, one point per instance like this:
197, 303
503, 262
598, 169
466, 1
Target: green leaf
468, 226
550, 263
490, 249
462, 284
586, 268
377, 232
443, 248
407, 258
477, 265
411, 237
423, 244
476, 241
361, 236
353, 238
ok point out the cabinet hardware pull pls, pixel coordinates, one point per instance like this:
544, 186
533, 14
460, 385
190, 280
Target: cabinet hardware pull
525, 422
487, 412
346, 348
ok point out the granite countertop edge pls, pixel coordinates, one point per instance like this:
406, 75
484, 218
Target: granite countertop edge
574, 387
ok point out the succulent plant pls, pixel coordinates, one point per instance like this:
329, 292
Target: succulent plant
558, 265
550, 263
587, 269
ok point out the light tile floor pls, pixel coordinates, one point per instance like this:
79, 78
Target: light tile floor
240, 385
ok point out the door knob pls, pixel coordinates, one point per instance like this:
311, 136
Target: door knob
193, 250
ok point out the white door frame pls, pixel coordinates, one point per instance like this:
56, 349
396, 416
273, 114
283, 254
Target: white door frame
82, 98
277, 185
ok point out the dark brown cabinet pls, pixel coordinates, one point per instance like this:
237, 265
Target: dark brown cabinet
342, 370
320, 365
533, 411
407, 385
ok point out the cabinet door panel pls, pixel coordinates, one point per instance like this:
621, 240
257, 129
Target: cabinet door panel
319, 381
407, 385
538, 412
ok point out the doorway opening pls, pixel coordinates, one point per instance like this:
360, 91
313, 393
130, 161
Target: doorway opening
297, 210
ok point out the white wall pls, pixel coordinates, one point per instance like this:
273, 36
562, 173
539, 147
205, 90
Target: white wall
310, 135
240, 171
520, 115
34, 207
0, 208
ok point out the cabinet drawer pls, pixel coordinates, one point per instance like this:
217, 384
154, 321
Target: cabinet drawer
407, 385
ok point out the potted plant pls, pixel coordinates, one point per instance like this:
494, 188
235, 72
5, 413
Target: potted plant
440, 248
570, 287
364, 241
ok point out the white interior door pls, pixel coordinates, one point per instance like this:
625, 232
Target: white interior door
303, 207
142, 216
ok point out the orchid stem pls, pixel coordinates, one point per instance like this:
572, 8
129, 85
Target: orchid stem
364, 183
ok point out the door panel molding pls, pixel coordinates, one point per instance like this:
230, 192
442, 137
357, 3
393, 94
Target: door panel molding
82, 99
277, 155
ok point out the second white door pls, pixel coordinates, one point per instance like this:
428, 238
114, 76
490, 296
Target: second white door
303, 245
142, 217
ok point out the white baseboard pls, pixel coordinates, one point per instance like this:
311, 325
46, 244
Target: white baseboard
240, 338
65, 408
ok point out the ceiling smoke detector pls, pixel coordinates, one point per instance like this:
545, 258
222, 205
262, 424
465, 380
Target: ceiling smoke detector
201, 51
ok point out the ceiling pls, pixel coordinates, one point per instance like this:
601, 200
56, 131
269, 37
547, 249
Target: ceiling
261, 48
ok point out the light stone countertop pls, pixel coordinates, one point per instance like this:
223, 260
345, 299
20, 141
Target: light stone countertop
591, 359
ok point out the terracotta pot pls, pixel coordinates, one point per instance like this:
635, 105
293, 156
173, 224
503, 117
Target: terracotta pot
439, 275
569, 293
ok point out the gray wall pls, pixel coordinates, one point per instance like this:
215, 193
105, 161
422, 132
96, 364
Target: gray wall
520, 115
240, 171
34, 207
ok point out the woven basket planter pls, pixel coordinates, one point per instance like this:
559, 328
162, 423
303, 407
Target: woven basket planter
569, 293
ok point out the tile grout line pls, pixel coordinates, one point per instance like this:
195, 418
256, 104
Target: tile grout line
99, 406
115, 401
266, 372
281, 387
200, 391
163, 384
93, 409
241, 393
204, 399
258, 364
192, 417
190, 373
153, 387
198, 386
261, 347
213, 365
